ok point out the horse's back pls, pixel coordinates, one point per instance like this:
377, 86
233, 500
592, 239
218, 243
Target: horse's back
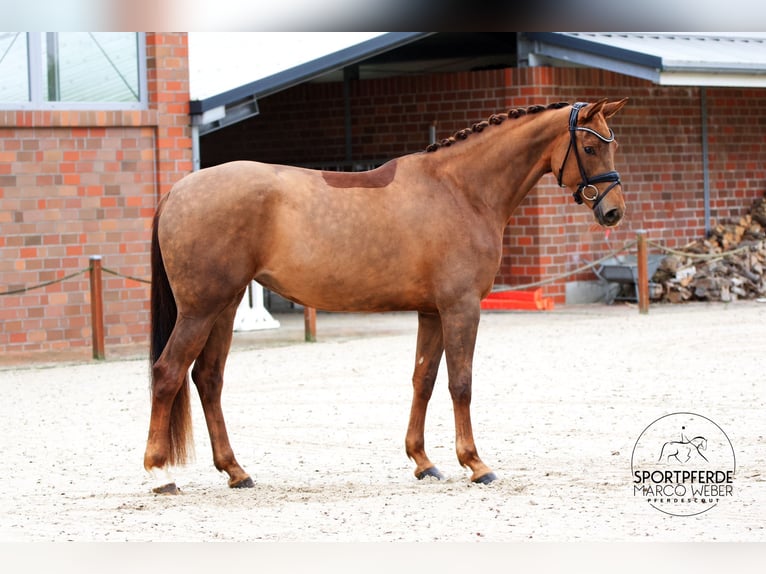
220, 186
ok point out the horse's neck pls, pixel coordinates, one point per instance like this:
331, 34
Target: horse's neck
499, 166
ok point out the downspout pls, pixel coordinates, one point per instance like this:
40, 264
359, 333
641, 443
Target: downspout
349, 73
195, 147
705, 160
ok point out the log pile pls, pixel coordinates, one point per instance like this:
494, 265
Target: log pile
727, 266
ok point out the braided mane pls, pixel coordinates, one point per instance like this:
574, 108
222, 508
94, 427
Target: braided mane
494, 119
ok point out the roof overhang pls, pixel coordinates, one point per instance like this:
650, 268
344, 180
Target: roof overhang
226, 108
667, 59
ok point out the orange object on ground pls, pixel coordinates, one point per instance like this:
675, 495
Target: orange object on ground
517, 300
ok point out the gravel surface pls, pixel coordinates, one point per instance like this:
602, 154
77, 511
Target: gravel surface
560, 398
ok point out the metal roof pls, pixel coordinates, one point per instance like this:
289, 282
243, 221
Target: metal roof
670, 59
236, 104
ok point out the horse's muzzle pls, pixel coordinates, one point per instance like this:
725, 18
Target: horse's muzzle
608, 216
611, 217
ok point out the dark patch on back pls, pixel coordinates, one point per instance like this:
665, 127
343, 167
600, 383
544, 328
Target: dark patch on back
378, 177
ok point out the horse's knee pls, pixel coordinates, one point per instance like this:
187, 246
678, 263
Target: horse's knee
460, 391
423, 387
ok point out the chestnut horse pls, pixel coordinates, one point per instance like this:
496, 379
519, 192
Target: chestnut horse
422, 232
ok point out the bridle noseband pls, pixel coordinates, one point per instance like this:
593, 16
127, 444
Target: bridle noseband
587, 182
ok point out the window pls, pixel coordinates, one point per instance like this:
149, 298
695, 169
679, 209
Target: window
72, 70
14, 84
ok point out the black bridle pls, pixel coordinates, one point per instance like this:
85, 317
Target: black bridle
587, 182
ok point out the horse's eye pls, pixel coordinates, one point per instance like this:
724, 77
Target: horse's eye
589, 150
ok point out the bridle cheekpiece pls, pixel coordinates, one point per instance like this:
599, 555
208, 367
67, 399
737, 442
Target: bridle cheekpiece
587, 183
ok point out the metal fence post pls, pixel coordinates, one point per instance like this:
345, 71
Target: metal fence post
310, 323
96, 308
643, 272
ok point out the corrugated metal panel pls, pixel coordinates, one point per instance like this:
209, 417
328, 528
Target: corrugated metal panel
691, 52
682, 58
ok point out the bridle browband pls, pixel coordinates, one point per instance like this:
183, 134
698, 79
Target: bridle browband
587, 182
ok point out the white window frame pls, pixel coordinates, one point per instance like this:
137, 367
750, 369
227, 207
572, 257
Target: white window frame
37, 84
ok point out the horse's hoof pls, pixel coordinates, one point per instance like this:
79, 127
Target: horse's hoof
486, 478
433, 472
169, 488
245, 483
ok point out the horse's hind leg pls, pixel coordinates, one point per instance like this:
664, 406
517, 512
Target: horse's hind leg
170, 423
207, 375
429, 353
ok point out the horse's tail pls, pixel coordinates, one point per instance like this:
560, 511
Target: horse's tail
163, 319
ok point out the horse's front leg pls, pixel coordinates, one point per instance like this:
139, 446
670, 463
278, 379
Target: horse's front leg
460, 326
430, 348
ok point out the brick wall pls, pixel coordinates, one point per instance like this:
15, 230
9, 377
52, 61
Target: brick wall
80, 183
659, 159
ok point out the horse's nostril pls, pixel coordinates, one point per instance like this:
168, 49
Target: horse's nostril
612, 216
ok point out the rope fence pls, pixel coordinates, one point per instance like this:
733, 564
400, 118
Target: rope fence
701, 256
95, 270
116, 274
46, 284
580, 269
87, 269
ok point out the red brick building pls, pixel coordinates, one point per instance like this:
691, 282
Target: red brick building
79, 182
82, 178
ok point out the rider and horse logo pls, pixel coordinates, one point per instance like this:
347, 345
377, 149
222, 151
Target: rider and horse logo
685, 450
683, 464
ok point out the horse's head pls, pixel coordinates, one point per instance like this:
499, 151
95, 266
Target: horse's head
590, 174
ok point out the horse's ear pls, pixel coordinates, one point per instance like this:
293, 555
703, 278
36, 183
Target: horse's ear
614, 107
590, 111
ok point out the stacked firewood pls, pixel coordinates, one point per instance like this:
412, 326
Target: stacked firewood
727, 266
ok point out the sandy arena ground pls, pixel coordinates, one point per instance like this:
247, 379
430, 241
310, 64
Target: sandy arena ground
560, 399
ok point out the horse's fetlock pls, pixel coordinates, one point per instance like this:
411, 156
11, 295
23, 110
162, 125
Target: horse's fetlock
224, 464
153, 461
414, 448
467, 456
